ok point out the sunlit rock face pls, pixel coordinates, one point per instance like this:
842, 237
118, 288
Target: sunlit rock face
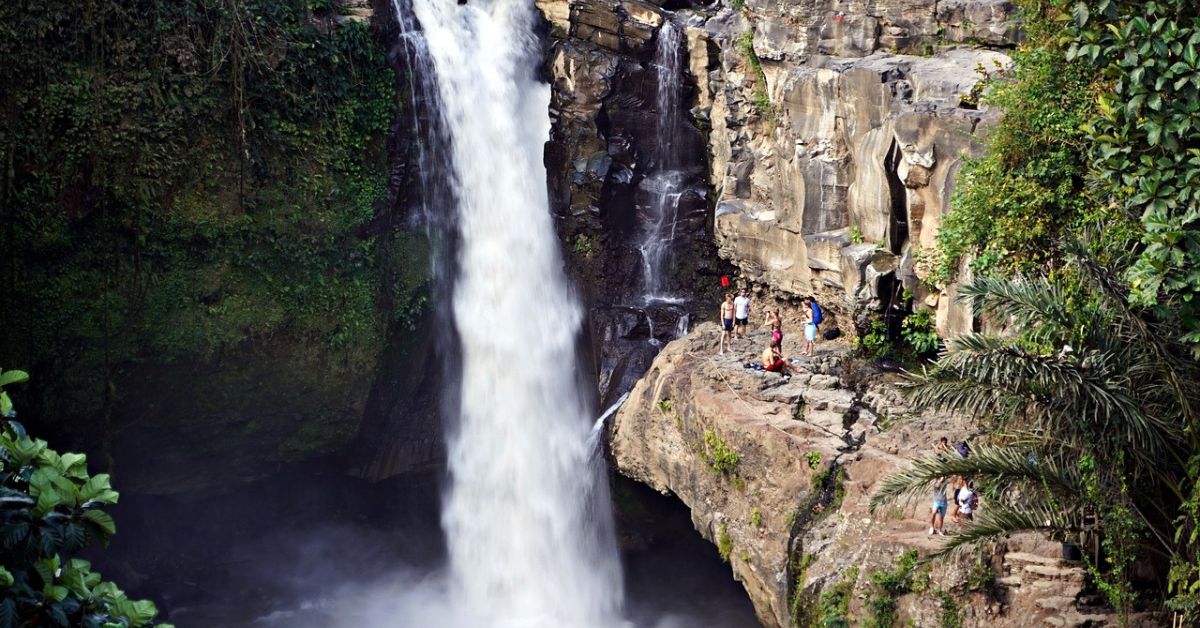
830, 160
836, 186
792, 509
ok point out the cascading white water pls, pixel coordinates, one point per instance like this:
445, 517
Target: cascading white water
665, 184
526, 520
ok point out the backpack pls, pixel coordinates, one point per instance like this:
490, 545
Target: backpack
963, 449
973, 503
816, 311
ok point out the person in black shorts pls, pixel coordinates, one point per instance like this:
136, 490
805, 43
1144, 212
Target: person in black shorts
727, 322
741, 313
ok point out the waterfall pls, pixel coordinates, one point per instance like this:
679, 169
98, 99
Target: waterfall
526, 514
665, 183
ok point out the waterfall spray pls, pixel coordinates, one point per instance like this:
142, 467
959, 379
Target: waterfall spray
526, 514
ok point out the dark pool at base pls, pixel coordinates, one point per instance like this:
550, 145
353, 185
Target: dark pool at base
270, 553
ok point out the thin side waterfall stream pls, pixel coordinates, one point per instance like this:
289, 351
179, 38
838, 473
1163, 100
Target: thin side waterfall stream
665, 184
526, 514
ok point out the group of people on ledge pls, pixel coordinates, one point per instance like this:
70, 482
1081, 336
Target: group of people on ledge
966, 497
735, 321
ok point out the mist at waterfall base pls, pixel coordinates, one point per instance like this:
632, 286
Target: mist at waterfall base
526, 514
526, 536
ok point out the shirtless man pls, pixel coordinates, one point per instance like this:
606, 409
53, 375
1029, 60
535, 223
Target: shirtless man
727, 322
774, 362
741, 312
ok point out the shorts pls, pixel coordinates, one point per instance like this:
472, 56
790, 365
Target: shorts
810, 332
776, 366
728, 323
743, 321
939, 507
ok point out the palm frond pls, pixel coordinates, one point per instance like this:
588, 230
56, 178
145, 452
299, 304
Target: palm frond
1007, 466
997, 520
1028, 303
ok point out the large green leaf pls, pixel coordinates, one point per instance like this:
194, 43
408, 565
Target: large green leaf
101, 520
13, 377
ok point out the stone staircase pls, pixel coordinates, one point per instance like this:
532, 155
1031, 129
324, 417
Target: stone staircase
1057, 588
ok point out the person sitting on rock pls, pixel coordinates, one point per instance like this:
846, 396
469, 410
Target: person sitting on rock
941, 448
773, 361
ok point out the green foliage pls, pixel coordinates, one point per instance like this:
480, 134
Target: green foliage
981, 577
800, 569
1078, 377
738, 4
585, 246
833, 611
875, 343
50, 510
724, 543
762, 99
890, 584
721, 458
919, 332
664, 405
756, 517
1010, 207
187, 179
951, 615
856, 235
814, 459
1145, 136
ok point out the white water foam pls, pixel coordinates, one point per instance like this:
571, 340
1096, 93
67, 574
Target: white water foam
526, 517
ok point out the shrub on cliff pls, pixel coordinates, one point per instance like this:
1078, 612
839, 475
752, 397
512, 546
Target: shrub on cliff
50, 509
1091, 406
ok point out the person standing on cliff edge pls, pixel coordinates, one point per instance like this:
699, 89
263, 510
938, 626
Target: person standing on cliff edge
741, 310
727, 322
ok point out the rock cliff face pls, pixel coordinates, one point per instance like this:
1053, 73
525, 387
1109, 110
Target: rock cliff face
823, 140
837, 131
603, 162
778, 474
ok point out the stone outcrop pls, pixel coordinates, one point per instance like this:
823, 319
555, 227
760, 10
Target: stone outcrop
836, 138
830, 133
791, 513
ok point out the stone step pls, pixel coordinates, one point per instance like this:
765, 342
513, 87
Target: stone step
1071, 574
1031, 559
1009, 581
831, 421
1055, 603
839, 401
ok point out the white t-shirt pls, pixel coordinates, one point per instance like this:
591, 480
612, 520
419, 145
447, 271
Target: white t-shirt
741, 307
964, 500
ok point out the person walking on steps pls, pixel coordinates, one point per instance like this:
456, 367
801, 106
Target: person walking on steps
937, 515
727, 322
741, 312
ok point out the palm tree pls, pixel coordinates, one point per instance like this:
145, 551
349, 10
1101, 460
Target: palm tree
1090, 405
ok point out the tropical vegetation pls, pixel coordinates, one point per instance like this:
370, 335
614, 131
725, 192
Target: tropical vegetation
50, 510
1082, 231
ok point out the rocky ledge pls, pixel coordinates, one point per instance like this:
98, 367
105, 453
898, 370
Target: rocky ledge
778, 474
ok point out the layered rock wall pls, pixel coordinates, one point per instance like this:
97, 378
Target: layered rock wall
837, 133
